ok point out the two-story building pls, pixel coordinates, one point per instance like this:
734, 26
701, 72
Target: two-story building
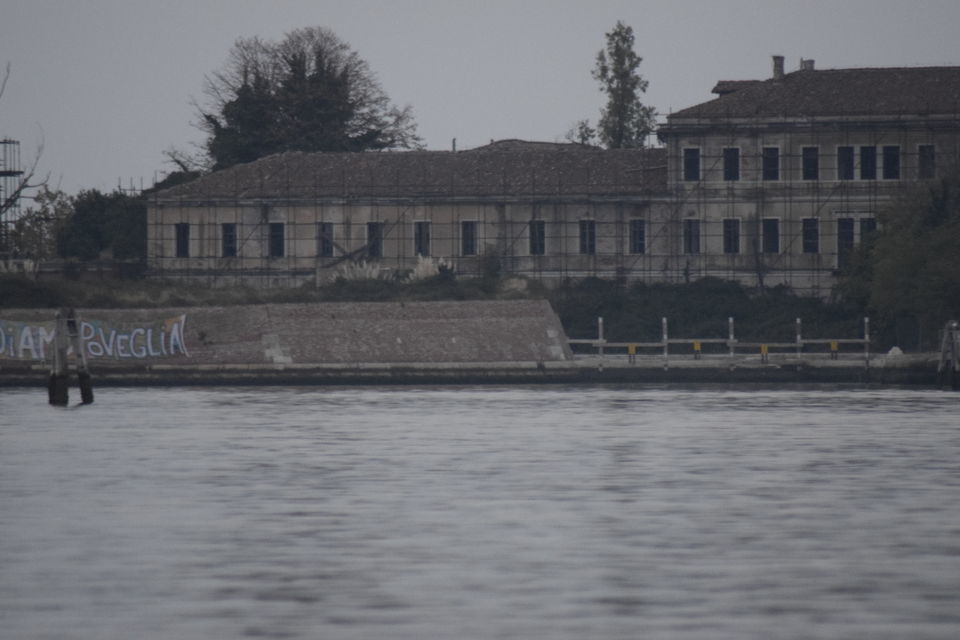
773, 182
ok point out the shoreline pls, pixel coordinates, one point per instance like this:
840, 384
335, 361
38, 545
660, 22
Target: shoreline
912, 370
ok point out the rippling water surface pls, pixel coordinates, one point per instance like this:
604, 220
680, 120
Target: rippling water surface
529, 513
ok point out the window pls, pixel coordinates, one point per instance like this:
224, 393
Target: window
811, 235
588, 237
770, 235
811, 163
691, 236
891, 163
867, 227
468, 238
731, 164
844, 163
844, 239
538, 237
868, 163
375, 239
276, 240
691, 164
638, 236
731, 235
183, 240
228, 240
926, 161
421, 238
325, 239
771, 163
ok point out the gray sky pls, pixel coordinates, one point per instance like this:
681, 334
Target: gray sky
108, 84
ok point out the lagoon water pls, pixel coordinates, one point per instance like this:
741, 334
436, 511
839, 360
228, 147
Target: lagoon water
484, 512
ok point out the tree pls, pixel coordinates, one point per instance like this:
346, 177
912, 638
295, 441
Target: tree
33, 236
625, 121
308, 92
582, 133
908, 272
115, 223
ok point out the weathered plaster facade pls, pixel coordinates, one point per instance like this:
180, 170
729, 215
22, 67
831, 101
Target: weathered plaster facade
773, 182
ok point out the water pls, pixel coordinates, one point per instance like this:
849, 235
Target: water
529, 513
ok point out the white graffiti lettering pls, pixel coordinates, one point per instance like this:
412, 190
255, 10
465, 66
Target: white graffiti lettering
31, 341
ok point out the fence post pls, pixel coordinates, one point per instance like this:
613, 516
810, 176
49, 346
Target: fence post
866, 341
799, 337
663, 323
730, 340
600, 336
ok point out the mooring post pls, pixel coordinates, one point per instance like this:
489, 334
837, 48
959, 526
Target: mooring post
83, 374
730, 340
57, 386
67, 334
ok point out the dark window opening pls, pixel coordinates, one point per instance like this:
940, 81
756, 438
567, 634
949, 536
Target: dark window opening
421, 238
770, 235
183, 240
891, 163
868, 163
811, 235
844, 163
926, 161
731, 164
771, 163
375, 239
691, 165
538, 237
638, 237
868, 227
811, 163
588, 237
276, 240
845, 232
468, 238
228, 240
731, 235
325, 248
691, 236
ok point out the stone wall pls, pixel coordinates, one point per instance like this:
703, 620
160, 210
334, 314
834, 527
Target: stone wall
330, 333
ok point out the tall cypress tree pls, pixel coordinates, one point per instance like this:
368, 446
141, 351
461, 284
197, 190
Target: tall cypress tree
625, 121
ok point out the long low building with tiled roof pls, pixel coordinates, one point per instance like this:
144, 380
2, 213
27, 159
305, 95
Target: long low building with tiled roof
774, 181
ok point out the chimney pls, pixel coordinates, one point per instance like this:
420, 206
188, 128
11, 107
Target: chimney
806, 65
778, 67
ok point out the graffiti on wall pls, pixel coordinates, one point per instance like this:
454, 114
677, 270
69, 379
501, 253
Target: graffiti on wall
157, 339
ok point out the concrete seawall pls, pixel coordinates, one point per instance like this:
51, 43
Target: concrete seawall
389, 343
920, 370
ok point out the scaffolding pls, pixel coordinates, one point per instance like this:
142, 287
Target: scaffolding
11, 184
767, 223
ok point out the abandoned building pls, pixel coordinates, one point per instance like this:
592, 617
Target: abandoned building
774, 181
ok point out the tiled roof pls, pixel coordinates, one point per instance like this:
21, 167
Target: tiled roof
570, 170
836, 92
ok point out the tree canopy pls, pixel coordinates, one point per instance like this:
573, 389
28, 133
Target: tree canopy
308, 92
625, 122
113, 222
908, 272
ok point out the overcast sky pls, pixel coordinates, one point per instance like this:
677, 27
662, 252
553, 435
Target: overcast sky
108, 85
